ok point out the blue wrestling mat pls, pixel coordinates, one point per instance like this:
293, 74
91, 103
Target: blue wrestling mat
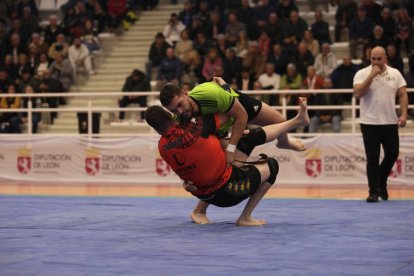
154, 236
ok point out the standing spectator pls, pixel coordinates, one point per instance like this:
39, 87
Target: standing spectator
279, 59
269, 80
325, 62
60, 47
313, 44
231, 66
342, 76
333, 116
211, 61
79, 56
387, 22
53, 30
136, 82
402, 32
254, 60
359, 31
302, 59
156, 54
233, 28
169, 69
394, 60
173, 30
320, 29
345, 14
377, 86
62, 70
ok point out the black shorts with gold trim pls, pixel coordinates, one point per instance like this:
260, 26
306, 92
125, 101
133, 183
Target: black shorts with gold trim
242, 183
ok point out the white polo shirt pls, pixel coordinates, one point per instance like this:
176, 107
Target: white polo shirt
377, 107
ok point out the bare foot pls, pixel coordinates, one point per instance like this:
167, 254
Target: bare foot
295, 145
250, 222
199, 218
303, 111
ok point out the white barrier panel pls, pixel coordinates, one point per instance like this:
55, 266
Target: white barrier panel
329, 160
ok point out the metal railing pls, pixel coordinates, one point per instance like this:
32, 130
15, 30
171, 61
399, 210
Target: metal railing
90, 109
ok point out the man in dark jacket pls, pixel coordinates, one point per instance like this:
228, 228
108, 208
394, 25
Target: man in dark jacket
156, 53
136, 82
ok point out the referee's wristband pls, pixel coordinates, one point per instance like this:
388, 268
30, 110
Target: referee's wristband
231, 148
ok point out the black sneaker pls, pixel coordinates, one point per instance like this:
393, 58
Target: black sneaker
384, 195
372, 198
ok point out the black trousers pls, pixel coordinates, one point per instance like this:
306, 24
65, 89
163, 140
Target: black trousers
125, 101
374, 136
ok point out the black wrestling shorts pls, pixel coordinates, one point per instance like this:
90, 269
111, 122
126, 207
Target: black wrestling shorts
250, 104
242, 183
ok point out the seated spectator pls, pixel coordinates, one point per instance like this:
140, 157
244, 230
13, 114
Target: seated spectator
320, 29
264, 44
42, 65
58, 48
203, 12
245, 80
294, 29
36, 116
15, 48
136, 82
173, 30
48, 84
53, 30
274, 28
61, 69
156, 54
221, 45
211, 61
333, 116
79, 57
215, 25
313, 44
325, 62
245, 12
196, 28
5, 81
186, 15
312, 80
279, 59
192, 66
378, 39
23, 65
343, 76
184, 46
90, 37
38, 46
25, 79
402, 32
231, 66
285, 7
11, 118
99, 17
291, 80
302, 59
373, 9
29, 22
387, 22
394, 60
359, 31
242, 45
10, 67
233, 28
202, 45
254, 60
345, 14
116, 13
366, 58
169, 69
269, 80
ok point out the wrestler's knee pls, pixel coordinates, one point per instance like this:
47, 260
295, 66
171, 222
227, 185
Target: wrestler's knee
274, 170
254, 138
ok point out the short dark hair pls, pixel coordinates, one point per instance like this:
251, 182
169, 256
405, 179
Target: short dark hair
158, 118
168, 92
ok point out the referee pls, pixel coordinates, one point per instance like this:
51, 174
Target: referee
377, 86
